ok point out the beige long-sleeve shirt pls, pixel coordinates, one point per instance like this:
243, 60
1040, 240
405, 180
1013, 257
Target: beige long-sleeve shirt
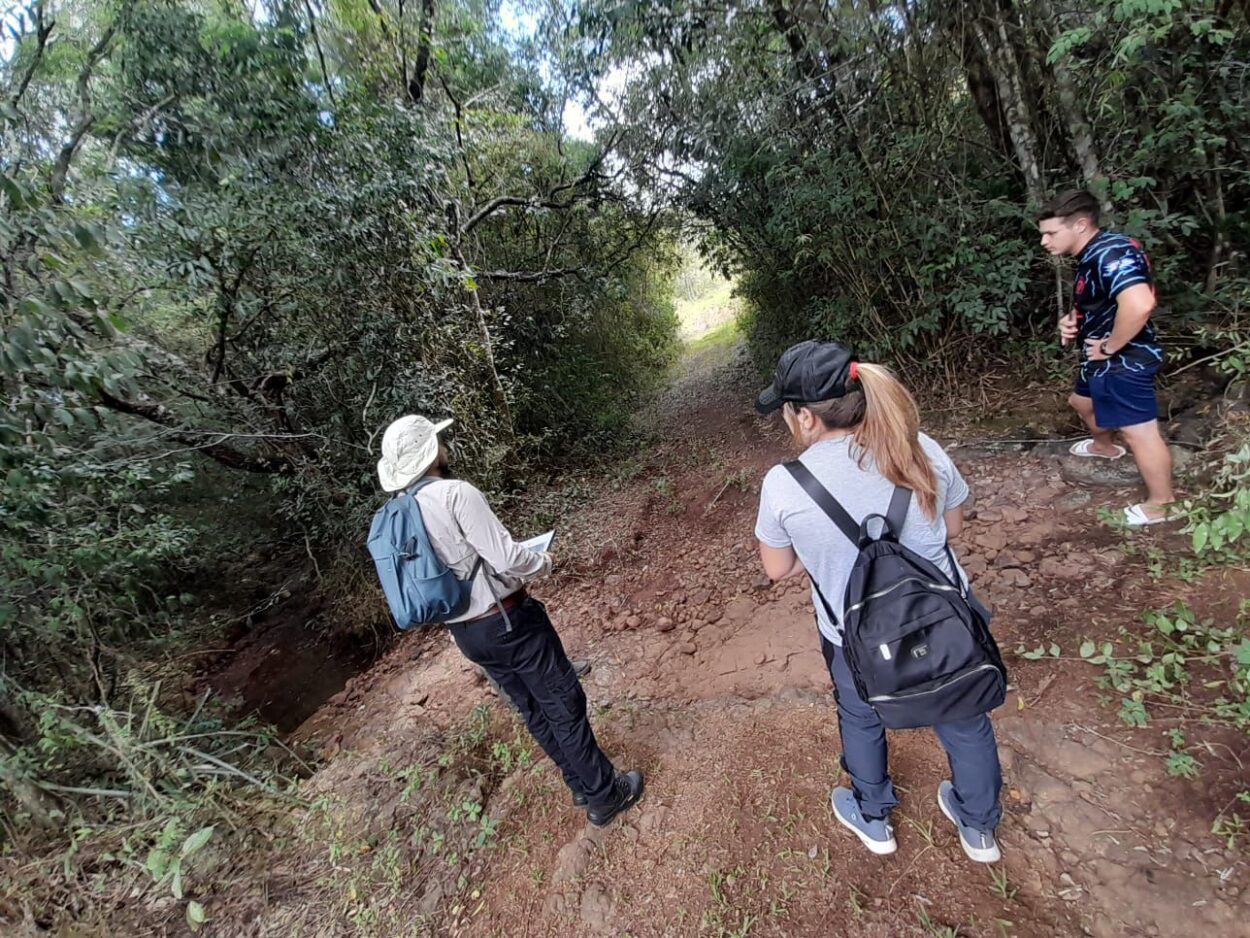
462, 527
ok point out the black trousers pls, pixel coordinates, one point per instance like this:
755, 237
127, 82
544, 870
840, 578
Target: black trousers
530, 665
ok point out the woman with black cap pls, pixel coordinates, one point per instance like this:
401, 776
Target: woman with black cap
859, 430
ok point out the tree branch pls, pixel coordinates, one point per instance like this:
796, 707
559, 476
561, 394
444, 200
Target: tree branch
321, 58
42, 32
425, 35
220, 453
526, 276
503, 201
464, 156
56, 182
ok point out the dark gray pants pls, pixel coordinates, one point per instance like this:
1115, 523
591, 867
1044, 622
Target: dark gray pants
970, 748
530, 666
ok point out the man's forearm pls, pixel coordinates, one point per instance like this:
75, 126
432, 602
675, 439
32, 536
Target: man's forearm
1127, 324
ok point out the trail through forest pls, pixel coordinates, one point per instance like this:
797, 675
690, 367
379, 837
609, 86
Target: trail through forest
708, 677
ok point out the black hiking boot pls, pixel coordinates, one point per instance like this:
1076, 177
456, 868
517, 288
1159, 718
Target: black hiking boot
579, 800
626, 791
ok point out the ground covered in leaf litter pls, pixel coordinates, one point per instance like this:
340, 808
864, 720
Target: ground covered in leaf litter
708, 677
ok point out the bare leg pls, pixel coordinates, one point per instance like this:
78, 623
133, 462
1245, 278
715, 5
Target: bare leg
1154, 460
1103, 443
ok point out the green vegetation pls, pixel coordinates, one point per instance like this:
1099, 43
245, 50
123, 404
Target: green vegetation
235, 242
868, 171
238, 239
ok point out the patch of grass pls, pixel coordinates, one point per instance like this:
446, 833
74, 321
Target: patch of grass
1163, 666
427, 823
855, 902
664, 487
999, 884
707, 307
934, 929
925, 830
724, 334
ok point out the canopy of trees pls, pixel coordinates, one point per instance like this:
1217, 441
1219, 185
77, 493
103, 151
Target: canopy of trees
235, 242
870, 168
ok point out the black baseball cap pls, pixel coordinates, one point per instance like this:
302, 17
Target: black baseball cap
809, 372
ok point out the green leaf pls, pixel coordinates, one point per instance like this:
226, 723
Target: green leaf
157, 863
14, 191
196, 841
1054, 650
195, 915
1243, 652
89, 237
1202, 533
32, 305
1087, 649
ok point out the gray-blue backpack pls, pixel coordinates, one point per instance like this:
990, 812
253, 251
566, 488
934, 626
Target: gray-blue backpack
419, 587
916, 642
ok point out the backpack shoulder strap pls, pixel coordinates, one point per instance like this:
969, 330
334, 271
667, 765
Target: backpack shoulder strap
900, 501
820, 495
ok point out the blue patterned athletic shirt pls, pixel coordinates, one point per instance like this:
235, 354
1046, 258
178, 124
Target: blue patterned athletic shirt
1110, 263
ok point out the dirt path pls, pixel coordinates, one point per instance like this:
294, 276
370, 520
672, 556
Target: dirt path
708, 678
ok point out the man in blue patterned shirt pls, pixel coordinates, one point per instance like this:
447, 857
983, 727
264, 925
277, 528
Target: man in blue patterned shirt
1113, 297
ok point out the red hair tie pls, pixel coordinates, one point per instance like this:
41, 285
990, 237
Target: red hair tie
854, 372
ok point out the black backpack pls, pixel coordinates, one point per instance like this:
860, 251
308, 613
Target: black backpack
917, 644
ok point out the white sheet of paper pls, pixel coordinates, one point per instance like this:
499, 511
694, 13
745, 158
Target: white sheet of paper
541, 542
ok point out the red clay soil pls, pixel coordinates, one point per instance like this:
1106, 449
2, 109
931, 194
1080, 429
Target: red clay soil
709, 679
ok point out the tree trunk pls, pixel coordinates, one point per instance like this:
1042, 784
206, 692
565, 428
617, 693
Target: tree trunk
1001, 57
488, 345
984, 93
1079, 130
425, 36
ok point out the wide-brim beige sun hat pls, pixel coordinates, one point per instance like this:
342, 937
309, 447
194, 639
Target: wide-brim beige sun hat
409, 448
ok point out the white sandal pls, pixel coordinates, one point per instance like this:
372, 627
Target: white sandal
1136, 516
1082, 449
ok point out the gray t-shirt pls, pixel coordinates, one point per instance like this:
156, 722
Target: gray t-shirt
789, 518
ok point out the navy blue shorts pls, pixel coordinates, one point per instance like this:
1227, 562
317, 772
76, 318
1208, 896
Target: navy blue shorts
1121, 398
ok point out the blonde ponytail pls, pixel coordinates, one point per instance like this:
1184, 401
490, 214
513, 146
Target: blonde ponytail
889, 433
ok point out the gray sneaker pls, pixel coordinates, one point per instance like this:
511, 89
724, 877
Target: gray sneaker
877, 836
979, 845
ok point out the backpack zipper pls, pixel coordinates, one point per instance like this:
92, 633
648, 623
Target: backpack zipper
934, 690
889, 589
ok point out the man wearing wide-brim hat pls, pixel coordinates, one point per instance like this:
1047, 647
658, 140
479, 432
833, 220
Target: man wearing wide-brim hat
503, 629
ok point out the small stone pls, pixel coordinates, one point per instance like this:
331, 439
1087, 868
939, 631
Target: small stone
664, 624
761, 582
713, 616
1014, 577
993, 539
1059, 569
687, 648
974, 564
633, 621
